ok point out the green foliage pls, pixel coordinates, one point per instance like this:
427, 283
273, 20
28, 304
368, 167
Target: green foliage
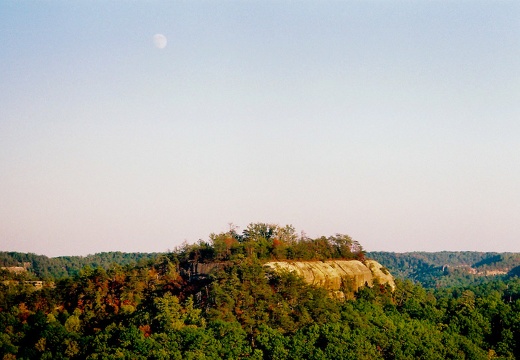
271, 242
155, 309
447, 269
44, 267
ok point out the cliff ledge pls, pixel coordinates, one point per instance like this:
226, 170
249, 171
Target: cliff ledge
337, 275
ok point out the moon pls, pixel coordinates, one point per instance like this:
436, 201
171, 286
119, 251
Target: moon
160, 41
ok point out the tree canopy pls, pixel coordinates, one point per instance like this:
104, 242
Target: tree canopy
151, 309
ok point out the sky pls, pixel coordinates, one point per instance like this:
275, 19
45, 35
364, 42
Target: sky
395, 122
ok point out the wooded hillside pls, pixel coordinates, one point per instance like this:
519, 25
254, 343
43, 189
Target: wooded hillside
449, 268
154, 309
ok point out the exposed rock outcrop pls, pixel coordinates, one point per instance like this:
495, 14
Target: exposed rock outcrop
341, 277
14, 269
337, 275
380, 273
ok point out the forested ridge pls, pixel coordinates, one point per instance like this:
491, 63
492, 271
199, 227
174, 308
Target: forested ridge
150, 308
259, 240
449, 268
45, 267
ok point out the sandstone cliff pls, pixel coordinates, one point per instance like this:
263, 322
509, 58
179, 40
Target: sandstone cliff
337, 275
341, 277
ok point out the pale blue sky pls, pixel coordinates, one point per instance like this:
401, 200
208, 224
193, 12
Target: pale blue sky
396, 122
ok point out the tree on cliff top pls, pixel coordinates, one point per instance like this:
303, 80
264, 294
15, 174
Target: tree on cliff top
265, 241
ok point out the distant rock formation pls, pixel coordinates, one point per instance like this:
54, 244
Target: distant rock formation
341, 277
14, 269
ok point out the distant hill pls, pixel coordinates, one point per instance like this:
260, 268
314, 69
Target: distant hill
431, 269
58, 267
449, 268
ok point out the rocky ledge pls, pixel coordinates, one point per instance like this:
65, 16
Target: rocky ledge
338, 276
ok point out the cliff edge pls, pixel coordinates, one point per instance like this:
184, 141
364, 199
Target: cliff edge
337, 275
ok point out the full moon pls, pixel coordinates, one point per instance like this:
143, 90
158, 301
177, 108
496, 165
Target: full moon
160, 41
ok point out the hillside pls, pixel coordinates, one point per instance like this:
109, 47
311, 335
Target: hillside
437, 269
219, 300
44, 267
449, 268
266, 242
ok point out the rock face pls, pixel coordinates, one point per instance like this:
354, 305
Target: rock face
341, 277
380, 273
337, 275
14, 269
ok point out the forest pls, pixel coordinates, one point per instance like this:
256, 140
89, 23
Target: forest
146, 306
450, 268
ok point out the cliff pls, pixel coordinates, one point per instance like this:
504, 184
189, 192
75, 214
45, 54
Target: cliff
337, 276
341, 277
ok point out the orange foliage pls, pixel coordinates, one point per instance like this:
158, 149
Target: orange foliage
146, 330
